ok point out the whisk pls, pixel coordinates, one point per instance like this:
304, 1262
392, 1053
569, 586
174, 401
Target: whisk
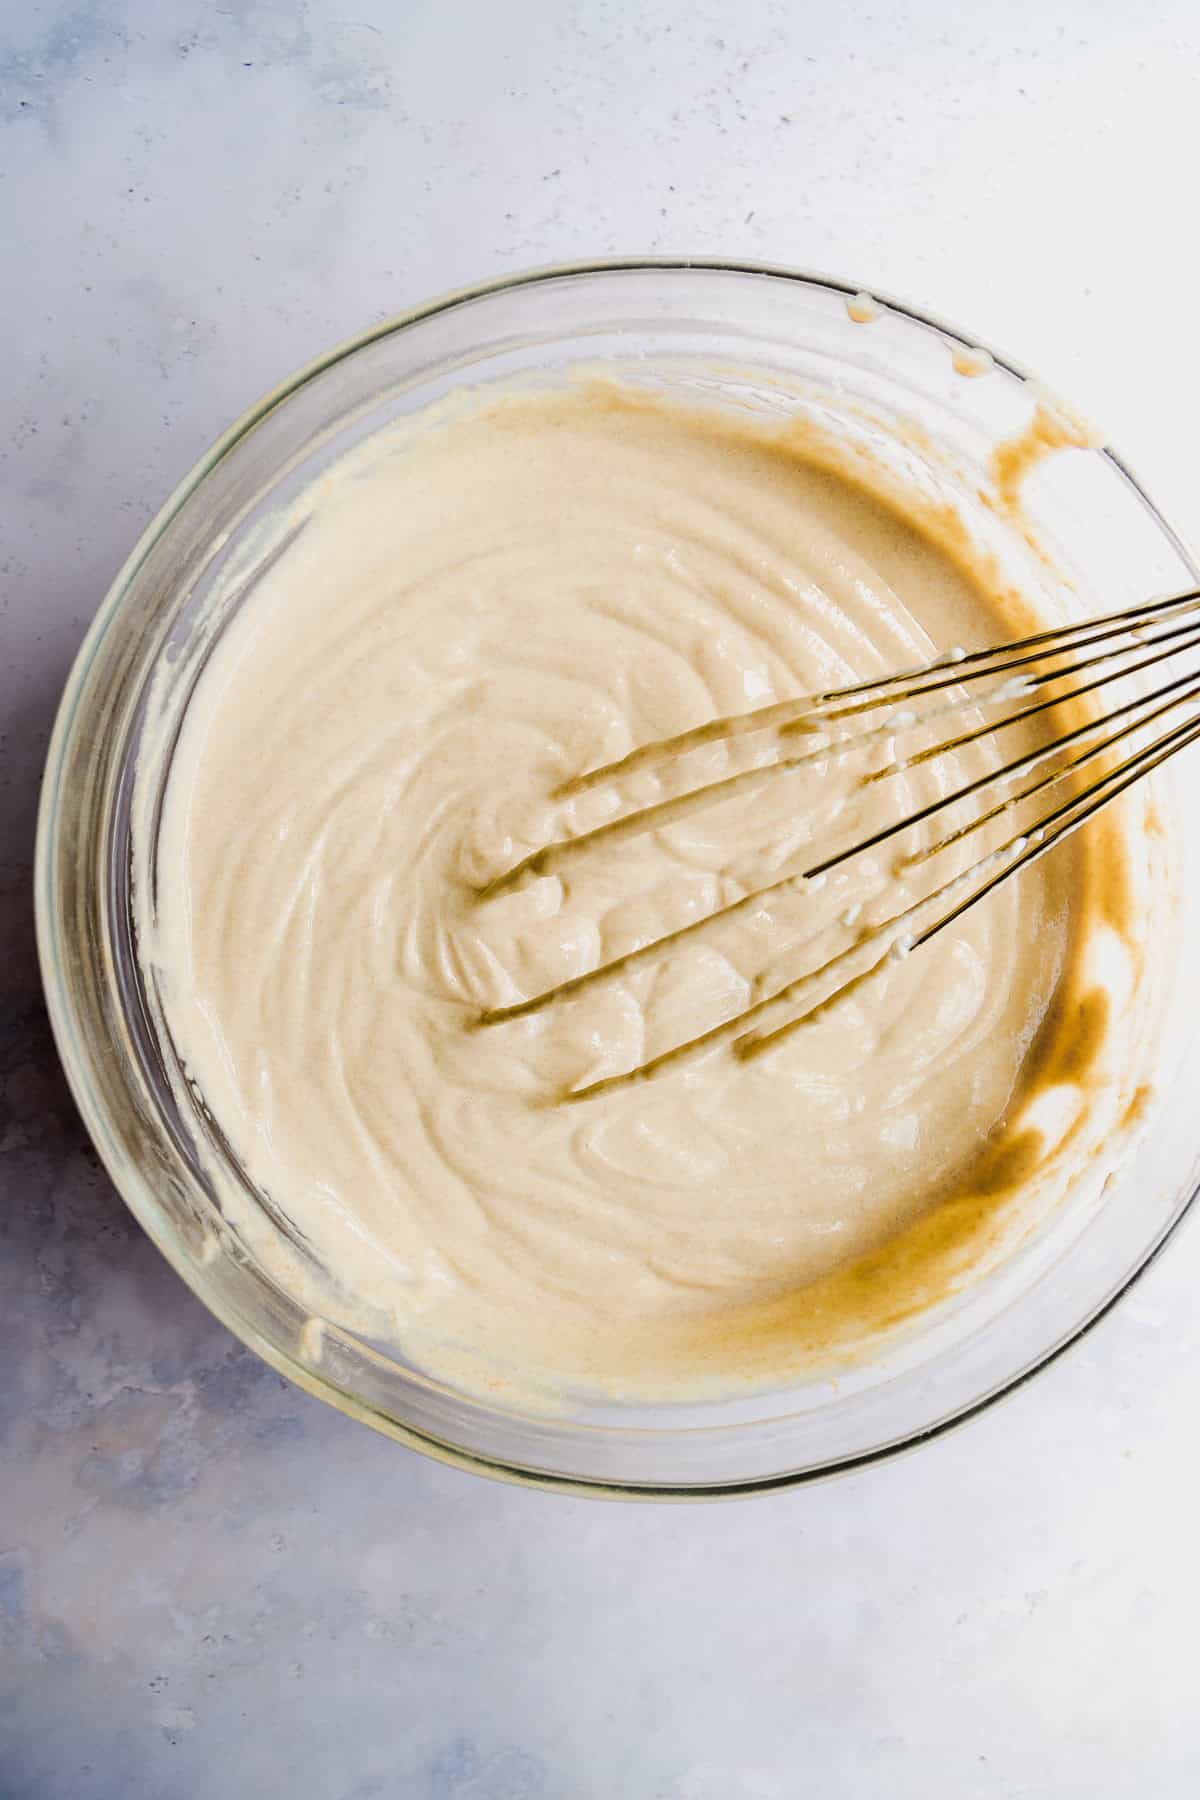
1036, 674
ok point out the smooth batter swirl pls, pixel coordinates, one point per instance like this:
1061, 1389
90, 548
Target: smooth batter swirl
465, 620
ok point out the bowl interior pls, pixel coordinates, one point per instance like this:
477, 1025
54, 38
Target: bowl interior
771, 341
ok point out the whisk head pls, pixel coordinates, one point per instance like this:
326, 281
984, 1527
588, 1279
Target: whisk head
1094, 706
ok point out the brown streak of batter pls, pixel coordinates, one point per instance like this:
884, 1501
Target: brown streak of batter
1014, 460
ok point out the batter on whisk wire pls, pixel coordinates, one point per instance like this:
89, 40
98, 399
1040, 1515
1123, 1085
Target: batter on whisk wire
468, 616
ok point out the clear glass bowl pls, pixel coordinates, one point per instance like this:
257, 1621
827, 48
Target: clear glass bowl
880, 375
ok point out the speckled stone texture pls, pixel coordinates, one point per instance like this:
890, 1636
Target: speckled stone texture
211, 1587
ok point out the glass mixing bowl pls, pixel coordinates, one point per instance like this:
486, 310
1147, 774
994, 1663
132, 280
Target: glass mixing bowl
876, 374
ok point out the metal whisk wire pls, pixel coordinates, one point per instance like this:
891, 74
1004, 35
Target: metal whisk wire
1126, 643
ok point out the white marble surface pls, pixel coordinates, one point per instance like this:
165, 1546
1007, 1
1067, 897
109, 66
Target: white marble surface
211, 1587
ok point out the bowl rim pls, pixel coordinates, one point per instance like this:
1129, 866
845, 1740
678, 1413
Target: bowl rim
139, 1195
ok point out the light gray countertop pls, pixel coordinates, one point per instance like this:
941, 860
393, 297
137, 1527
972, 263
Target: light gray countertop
212, 1587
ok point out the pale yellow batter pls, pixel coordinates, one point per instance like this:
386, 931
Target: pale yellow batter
466, 619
